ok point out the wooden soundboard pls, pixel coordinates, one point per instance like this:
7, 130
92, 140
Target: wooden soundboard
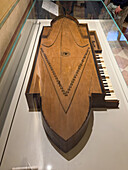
65, 81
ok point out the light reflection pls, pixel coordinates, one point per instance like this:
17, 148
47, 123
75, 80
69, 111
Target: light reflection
113, 36
49, 167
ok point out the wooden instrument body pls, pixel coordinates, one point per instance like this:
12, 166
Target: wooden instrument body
65, 82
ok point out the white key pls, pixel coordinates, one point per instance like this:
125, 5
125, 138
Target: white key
105, 72
102, 69
109, 88
99, 55
108, 82
101, 64
100, 60
112, 97
104, 75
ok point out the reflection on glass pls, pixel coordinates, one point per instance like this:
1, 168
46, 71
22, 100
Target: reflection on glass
49, 167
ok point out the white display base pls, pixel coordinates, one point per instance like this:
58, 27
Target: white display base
107, 146
25, 168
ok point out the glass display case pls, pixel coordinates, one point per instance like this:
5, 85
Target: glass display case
23, 142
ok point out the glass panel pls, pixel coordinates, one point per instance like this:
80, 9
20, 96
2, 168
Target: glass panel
17, 63
40, 10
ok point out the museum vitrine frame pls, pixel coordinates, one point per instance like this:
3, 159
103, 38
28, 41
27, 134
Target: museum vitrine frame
34, 16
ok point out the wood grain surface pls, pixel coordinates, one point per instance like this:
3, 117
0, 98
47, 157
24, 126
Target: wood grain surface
65, 76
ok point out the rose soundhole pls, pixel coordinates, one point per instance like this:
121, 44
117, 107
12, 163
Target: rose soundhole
65, 54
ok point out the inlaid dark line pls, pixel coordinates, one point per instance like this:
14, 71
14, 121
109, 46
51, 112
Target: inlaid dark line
55, 38
74, 77
52, 81
78, 83
70, 86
